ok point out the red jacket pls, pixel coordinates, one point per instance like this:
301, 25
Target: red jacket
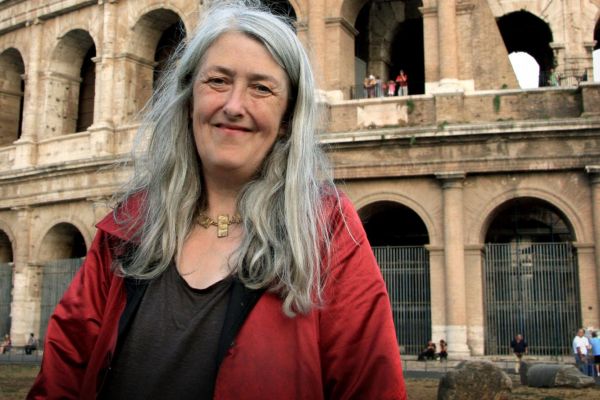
345, 349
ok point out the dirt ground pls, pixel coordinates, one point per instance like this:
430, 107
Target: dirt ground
15, 381
426, 389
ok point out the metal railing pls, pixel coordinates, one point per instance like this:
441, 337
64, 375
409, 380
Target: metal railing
6, 284
406, 273
532, 289
56, 277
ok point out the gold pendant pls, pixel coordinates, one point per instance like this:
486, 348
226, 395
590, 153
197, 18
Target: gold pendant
222, 226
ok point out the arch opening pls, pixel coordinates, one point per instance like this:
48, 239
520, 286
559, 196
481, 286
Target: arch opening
61, 253
398, 236
6, 283
525, 32
71, 84
390, 39
531, 281
167, 44
12, 90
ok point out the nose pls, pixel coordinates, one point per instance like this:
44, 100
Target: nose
235, 102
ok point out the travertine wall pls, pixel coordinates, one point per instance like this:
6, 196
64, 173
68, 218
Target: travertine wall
453, 155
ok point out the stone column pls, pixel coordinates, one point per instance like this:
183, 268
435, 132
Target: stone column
447, 42
26, 148
430, 48
454, 263
594, 173
102, 130
474, 294
25, 308
588, 284
316, 35
438, 292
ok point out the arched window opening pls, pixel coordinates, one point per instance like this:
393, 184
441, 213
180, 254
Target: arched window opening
61, 254
398, 236
531, 280
524, 32
87, 91
12, 89
165, 48
390, 39
526, 69
71, 84
6, 283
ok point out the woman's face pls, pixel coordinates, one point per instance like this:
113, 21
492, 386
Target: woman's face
239, 99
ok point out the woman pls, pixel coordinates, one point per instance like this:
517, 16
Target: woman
231, 268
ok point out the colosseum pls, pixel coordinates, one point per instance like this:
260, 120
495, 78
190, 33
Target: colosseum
480, 194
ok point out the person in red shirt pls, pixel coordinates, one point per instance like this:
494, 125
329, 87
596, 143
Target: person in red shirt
231, 268
402, 81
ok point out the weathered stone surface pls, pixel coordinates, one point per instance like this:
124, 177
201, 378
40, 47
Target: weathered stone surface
476, 380
556, 375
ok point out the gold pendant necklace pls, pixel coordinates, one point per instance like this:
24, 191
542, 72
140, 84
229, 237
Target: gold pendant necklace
222, 223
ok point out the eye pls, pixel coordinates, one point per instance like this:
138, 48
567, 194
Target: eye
216, 82
262, 90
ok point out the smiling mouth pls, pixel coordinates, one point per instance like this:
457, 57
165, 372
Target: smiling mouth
232, 127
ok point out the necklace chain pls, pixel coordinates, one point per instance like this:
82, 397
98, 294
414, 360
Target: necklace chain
222, 223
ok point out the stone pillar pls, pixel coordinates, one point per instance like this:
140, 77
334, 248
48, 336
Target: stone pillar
316, 35
430, 48
25, 308
438, 292
454, 263
594, 173
339, 56
588, 284
448, 43
26, 148
474, 293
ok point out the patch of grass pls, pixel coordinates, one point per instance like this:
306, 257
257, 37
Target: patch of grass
442, 125
16, 380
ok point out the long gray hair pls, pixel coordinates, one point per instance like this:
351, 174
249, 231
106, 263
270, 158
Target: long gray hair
282, 207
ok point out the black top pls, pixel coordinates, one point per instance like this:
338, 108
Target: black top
170, 348
519, 347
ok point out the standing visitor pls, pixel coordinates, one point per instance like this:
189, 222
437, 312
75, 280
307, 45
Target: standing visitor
231, 267
595, 343
581, 346
402, 82
519, 348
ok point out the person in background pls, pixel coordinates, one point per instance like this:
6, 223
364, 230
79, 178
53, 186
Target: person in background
32, 344
595, 343
391, 88
581, 346
231, 267
6, 344
443, 354
519, 348
402, 82
428, 352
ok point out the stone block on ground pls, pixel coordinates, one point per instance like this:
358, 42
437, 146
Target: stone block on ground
475, 380
557, 375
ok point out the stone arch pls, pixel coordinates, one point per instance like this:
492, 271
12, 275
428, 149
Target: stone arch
60, 255
390, 38
70, 95
399, 238
407, 202
477, 234
12, 91
154, 36
531, 277
63, 240
6, 246
526, 32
